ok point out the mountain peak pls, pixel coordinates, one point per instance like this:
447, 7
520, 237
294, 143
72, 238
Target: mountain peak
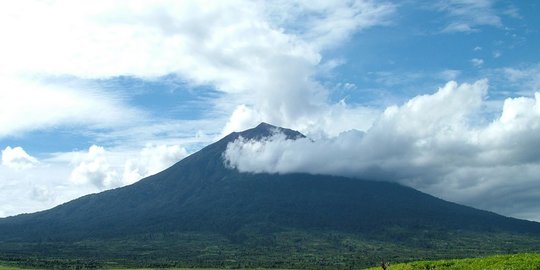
264, 130
264, 125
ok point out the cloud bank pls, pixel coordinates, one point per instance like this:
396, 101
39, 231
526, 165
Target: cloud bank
52, 180
438, 143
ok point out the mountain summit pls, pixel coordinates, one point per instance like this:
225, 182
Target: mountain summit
263, 130
200, 197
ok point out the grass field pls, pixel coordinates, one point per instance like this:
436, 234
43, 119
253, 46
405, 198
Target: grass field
527, 261
524, 261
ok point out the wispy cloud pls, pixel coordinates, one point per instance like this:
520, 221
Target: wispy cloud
27, 105
327, 24
525, 77
477, 62
469, 15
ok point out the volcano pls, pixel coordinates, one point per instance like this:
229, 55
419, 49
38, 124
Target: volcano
287, 219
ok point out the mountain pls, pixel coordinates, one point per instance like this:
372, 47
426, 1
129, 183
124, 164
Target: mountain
199, 203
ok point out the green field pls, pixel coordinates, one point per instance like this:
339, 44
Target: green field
524, 261
527, 261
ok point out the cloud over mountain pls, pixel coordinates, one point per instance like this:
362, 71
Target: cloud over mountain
119, 75
439, 143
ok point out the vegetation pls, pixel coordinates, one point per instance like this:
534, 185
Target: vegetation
524, 261
530, 261
250, 249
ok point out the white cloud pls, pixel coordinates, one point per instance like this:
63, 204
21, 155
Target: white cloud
469, 15
42, 193
436, 143
17, 158
37, 188
449, 74
513, 12
27, 105
329, 23
281, 88
108, 169
70, 175
349, 86
527, 78
151, 160
271, 70
154, 38
458, 27
95, 169
477, 62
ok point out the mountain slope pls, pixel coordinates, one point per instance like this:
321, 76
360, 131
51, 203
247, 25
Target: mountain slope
200, 195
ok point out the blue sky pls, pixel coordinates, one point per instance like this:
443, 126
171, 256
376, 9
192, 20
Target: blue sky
98, 95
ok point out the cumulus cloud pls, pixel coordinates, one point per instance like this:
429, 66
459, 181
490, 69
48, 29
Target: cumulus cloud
65, 176
17, 158
151, 159
95, 169
438, 143
36, 188
108, 169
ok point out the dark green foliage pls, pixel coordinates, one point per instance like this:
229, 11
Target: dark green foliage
291, 249
200, 213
